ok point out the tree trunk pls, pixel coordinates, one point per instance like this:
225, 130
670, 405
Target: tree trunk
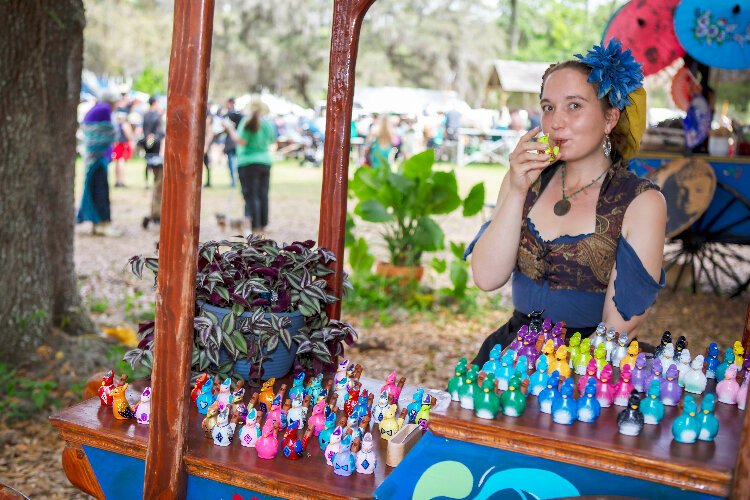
41, 53
513, 33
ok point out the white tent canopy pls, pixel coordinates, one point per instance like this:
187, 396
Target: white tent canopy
518, 76
277, 105
406, 100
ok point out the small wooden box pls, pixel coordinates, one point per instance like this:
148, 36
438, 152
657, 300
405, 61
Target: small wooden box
401, 443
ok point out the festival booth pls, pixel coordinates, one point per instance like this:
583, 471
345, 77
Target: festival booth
708, 193
459, 456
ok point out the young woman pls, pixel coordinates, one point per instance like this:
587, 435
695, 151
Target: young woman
381, 147
582, 237
253, 137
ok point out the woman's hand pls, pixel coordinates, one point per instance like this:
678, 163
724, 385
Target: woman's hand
527, 161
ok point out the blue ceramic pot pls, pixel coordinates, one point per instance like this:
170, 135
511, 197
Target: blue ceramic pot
279, 362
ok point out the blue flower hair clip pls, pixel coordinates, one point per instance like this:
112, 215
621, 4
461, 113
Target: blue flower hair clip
615, 70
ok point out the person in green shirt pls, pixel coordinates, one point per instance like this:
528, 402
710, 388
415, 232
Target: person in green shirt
379, 154
254, 136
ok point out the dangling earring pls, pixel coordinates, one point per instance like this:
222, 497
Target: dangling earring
607, 146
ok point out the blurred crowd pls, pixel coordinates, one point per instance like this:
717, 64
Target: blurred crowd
375, 138
255, 130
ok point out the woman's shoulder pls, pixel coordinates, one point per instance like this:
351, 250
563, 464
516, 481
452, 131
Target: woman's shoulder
627, 181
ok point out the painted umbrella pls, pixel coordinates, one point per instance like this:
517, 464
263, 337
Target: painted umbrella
646, 27
715, 33
684, 87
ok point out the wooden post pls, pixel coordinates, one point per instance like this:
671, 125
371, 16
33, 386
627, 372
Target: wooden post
741, 482
178, 240
347, 21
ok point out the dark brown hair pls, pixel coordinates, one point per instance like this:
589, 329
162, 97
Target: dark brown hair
619, 140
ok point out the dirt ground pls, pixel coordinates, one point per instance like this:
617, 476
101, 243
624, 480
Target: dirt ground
423, 347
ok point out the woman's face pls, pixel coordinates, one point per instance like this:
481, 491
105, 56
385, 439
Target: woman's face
573, 116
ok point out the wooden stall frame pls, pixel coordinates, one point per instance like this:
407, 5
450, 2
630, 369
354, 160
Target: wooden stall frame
178, 239
347, 23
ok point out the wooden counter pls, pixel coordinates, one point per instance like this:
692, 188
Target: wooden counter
704, 157
652, 456
90, 424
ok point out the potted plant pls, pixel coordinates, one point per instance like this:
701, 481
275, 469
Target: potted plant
259, 306
404, 202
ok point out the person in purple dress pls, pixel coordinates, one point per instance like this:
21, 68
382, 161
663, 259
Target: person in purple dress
99, 135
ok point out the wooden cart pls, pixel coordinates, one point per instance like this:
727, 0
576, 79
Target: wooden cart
170, 458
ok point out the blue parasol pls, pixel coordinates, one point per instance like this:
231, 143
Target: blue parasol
715, 33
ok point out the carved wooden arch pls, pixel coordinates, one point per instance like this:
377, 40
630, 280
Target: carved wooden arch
187, 96
347, 23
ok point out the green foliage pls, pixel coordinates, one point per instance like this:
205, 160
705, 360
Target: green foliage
115, 357
98, 305
136, 310
31, 318
555, 30
284, 46
151, 81
381, 294
737, 94
25, 398
404, 203
360, 258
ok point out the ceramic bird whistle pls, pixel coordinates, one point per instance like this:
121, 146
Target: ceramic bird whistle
265, 399
686, 427
552, 151
198, 386
143, 408
120, 407
630, 421
105, 390
268, 444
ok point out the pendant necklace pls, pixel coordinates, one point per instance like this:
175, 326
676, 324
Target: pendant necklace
562, 207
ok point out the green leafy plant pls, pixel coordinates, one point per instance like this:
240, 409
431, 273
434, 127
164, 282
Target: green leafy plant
136, 310
404, 202
458, 271
98, 305
115, 354
23, 397
257, 276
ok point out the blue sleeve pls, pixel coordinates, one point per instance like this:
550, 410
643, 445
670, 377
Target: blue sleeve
470, 248
635, 288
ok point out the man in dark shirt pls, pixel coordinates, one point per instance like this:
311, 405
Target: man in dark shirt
230, 148
153, 136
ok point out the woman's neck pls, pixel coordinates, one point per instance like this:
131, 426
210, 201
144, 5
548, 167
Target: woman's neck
582, 171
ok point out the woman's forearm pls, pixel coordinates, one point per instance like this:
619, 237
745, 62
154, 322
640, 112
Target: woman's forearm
495, 253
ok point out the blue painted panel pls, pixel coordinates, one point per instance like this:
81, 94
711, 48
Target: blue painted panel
726, 219
200, 488
121, 477
439, 468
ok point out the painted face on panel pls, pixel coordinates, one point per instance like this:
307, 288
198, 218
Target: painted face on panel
573, 116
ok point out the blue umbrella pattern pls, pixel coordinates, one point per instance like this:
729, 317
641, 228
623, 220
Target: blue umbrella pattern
715, 33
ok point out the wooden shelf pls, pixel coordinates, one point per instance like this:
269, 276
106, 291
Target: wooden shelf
704, 157
91, 424
652, 456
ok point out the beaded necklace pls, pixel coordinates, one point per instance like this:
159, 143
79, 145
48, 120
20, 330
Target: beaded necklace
562, 207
